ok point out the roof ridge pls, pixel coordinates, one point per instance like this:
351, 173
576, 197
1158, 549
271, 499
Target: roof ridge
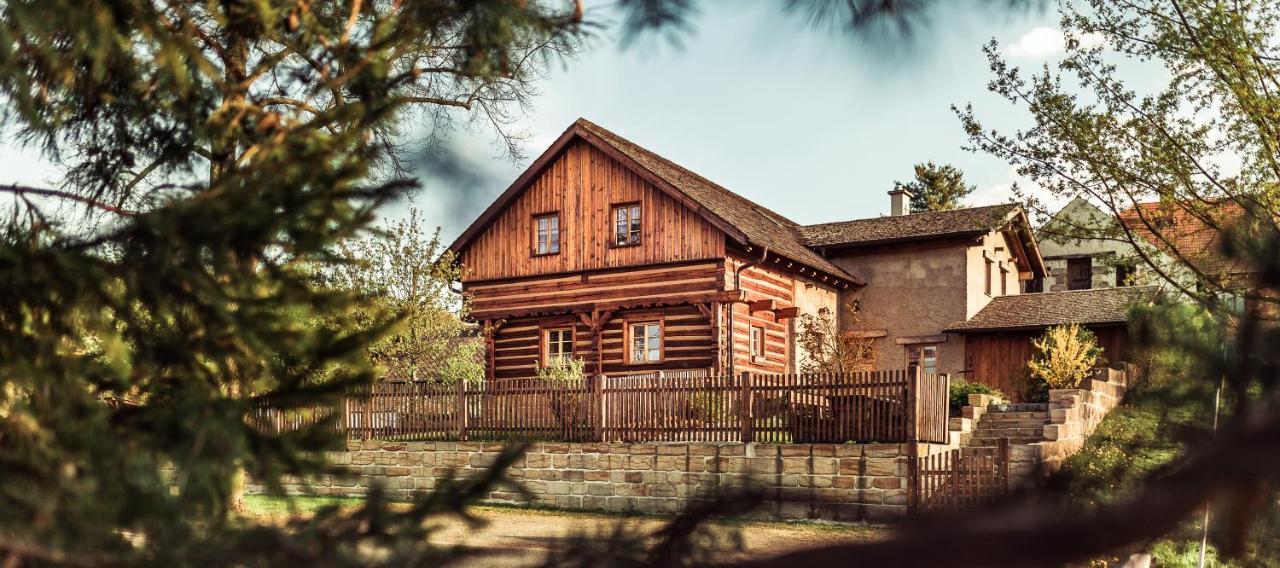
916, 214
1103, 289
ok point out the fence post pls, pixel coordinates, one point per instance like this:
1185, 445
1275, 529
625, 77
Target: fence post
912, 403
913, 479
744, 406
366, 418
1003, 449
461, 412
344, 406
597, 391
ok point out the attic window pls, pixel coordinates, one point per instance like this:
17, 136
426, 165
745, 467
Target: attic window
546, 234
626, 224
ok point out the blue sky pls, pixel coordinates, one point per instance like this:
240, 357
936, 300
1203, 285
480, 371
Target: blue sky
806, 122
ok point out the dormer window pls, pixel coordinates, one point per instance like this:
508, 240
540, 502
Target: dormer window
546, 234
626, 224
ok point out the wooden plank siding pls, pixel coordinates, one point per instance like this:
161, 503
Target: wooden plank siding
999, 358
582, 185
761, 282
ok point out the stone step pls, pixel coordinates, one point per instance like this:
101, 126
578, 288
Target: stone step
1009, 432
992, 442
987, 423
1020, 415
1020, 407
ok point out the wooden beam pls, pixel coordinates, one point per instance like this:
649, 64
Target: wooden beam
761, 305
786, 313
705, 309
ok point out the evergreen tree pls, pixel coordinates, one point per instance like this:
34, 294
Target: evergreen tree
936, 188
216, 152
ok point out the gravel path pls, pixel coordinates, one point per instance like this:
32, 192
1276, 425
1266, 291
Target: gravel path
516, 537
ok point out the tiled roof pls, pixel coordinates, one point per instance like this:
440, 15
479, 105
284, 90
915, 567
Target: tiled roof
761, 226
1175, 229
916, 226
1031, 311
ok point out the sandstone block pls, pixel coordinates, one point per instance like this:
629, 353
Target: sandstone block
881, 466
824, 466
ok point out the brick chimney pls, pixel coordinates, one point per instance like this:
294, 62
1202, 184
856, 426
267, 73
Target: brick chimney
899, 201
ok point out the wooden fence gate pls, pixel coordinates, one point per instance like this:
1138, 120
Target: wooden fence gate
959, 479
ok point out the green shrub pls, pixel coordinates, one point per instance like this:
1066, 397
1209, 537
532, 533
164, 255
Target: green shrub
1064, 356
961, 389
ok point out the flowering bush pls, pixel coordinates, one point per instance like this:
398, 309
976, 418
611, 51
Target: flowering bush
1064, 356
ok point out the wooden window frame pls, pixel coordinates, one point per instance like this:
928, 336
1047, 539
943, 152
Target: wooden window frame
559, 234
760, 355
544, 341
628, 335
1088, 281
1126, 273
1004, 280
613, 224
922, 347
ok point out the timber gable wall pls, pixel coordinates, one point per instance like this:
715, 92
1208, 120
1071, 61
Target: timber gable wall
583, 184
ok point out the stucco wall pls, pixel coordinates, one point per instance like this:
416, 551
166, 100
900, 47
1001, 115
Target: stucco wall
916, 290
1056, 249
995, 247
843, 482
911, 291
810, 297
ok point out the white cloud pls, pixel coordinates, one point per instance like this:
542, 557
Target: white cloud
1043, 41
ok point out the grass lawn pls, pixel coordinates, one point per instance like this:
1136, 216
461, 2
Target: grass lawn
522, 536
1138, 439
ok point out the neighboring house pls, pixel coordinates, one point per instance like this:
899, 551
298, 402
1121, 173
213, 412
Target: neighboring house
998, 338
926, 271
1080, 263
607, 252
1183, 244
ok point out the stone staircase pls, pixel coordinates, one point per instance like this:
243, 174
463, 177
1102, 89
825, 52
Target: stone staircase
1020, 423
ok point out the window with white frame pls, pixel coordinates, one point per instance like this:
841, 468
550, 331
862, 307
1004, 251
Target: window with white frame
558, 344
626, 224
924, 356
757, 342
646, 342
546, 234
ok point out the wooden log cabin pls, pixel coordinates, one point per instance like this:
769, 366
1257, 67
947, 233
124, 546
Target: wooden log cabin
607, 252
604, 251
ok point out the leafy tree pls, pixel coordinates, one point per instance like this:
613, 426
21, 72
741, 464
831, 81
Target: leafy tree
936, 188
1064, 356
218, 152
828, 349
404, 271
1155, 160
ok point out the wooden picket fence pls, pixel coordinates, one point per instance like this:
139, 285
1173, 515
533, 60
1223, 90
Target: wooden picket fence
878, 406
959, 479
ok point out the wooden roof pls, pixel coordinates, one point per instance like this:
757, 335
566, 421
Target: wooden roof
1100, 306
741, 219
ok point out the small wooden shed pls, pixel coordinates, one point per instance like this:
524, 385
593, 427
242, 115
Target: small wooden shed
997, 340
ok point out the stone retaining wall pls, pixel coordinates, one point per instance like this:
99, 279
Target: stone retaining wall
847, 482
1075, 413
